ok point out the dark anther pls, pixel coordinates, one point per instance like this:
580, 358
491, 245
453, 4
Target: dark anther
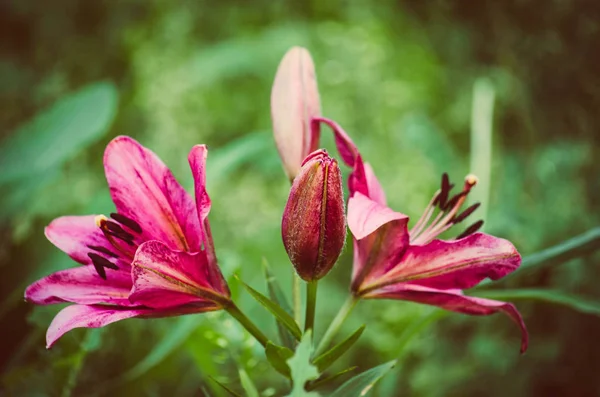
117, 231
466, 213
445, 189
105, 251
100, 263
471, 229
452, 202
130, 223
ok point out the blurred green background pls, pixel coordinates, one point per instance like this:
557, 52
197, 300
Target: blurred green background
400, 77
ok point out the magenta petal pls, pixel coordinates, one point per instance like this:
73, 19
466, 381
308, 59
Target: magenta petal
459, 264
74, 235
381, 238
345, 146
82, 285
164, 278
376, 192
455, 301
82, 316
145, 190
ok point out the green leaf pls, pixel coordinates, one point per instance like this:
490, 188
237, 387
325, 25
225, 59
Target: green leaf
325, 360
361, 384
227, 389
574, 302
277, 357
301, 369
281, 315
276, 294
322, 381
247, 384
58, 133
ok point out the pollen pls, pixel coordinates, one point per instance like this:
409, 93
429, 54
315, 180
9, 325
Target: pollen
100, 220
471, 179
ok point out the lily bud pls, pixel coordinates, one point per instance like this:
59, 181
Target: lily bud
294, 103
314, 225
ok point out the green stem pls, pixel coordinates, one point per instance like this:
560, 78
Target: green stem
311, 302
335, 325
236, 313
296, 298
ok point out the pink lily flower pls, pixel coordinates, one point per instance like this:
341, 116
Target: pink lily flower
154, 258
393, 262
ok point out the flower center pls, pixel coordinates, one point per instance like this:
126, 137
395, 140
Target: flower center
447, 207
121, 234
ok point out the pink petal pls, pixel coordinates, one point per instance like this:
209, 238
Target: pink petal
145, 190
457, 264
82, 285
164, 278
197, 160
294, 102
453, 300
81, 316
74, 235
380, 238
376, 192
366, 215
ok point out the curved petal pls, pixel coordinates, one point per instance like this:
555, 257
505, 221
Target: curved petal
381, 238
453, 300
145, 190
459, 264
164, 278
75, 235
82, 316
376, 192
197, 160
82, 285
345, 146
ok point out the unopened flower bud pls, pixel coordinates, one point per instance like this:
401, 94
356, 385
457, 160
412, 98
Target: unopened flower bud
294, 103
314, 225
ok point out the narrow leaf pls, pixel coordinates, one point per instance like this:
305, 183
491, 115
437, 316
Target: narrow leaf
277, 295
227, 389
281, 315
361, 384
277, 357
325, 360
574, 302
324, 380
247, 384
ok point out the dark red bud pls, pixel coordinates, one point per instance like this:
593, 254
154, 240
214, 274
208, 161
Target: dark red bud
314, 225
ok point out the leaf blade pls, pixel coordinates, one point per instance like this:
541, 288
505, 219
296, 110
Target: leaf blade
281, 315
326, 359
361, 384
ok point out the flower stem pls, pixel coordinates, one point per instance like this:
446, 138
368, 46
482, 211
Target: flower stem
296, 297
337, 322
236, 313
311, 302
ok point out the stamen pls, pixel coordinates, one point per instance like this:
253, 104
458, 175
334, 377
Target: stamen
471, 229
130, 223
416, 229
115, 234
119, 231
100, 263
465, 213
448, 212
445, 189
104, 250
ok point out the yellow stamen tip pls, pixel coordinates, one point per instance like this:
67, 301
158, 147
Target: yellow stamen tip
471, 180
100, 219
